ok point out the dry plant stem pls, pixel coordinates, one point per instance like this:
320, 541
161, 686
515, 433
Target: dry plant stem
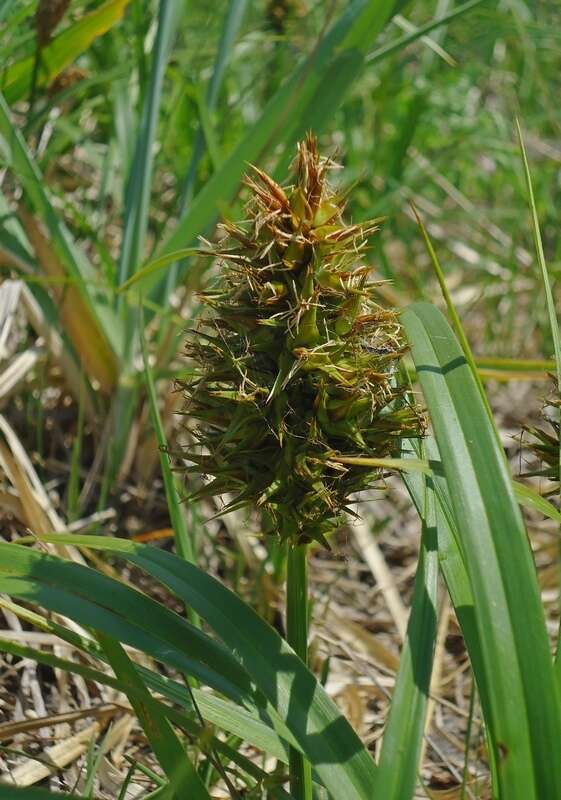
297, 638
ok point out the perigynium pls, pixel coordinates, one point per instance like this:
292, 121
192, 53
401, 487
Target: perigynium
296, 363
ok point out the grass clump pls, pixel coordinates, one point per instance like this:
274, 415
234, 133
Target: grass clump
296, 366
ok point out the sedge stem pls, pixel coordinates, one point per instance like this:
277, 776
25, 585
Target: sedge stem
297, 638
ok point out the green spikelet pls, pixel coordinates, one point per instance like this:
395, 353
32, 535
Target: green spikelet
545, 443
295, 366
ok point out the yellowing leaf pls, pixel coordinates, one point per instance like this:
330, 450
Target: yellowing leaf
76, 316
62, 51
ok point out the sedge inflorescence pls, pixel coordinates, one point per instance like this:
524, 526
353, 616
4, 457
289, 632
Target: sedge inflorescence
295, 363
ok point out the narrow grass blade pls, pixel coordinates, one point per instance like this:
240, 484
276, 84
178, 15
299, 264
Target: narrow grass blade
525, 495
183, 777
325, 737
522, 707
514, 369
418, 33
511, 369
12, 250
530, 498
137, 199
431, 43
550, 303
332, 66
75, 264
183, 540
402, 742
218, 712
232, 23
514, 365
399, 464
454, 316
73, 487
297, 633
16, 80
157, 264
137, 195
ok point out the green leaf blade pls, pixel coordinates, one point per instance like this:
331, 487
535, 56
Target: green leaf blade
402, 742
523, 706
326, 738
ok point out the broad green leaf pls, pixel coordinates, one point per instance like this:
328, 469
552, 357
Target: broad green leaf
453, 314
15, 81
325, 737
522, 707
99, 602
450, 556
453, 570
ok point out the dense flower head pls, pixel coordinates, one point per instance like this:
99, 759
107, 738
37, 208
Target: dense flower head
295, 363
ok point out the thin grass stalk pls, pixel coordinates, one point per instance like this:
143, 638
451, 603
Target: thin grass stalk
232, 22
402, 745
454, 316
73, 492
137, 195
183, 540
297, 615
467, 747
552, 315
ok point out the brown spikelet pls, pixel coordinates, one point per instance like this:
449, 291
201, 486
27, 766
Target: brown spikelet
544, 442
48, 15
278, 13
66, 79
296, 363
